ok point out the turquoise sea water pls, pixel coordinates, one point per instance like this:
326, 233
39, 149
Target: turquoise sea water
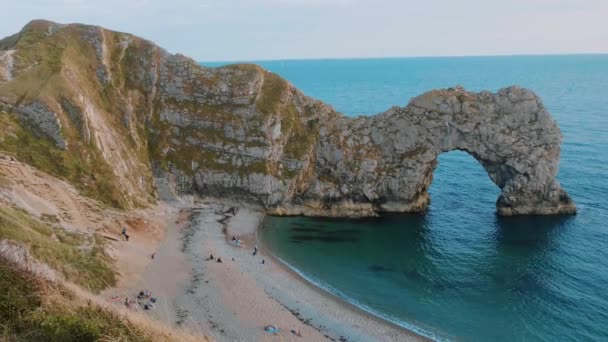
460, 272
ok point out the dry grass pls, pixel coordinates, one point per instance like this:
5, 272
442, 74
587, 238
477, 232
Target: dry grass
35, 309
78, 257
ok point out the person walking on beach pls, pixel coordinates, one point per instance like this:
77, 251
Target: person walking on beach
124, 233
255, 250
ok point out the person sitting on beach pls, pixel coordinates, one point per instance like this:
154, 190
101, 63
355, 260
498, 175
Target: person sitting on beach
219, 259
147, 294
140, 295
272, 329
233, 238
210, 257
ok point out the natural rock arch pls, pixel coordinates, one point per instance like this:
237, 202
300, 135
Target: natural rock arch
386, 162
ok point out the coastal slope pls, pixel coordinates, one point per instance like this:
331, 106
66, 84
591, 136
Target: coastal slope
128, 123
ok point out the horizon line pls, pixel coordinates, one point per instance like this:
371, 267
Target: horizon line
401, 57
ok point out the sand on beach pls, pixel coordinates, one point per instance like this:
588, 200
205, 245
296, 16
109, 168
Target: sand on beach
235, 299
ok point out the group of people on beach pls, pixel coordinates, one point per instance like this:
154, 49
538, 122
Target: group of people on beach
144, 301
237, 242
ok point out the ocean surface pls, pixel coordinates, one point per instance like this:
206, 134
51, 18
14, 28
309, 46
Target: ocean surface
459, 272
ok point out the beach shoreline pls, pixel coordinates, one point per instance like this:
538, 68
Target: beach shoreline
235, 299
345, 304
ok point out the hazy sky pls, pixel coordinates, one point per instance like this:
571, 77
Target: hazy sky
285, 29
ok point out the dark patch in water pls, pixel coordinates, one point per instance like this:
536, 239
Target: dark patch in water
528, 283
499, 279
324, 230
323, 238
380, 268
306, 230
413, 275
438, 286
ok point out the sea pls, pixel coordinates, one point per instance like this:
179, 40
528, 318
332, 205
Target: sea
459, 272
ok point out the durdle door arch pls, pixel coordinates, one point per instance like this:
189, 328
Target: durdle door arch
385, 163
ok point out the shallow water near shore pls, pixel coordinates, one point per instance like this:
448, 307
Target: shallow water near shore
459, 271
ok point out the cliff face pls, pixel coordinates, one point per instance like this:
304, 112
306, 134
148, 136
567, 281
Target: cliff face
132, 122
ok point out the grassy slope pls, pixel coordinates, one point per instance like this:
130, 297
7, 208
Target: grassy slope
153, 140
80, 258
55, 69
32, 309
81, 166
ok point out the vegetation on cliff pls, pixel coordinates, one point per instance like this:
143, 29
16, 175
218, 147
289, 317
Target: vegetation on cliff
78, 257
80, 165
34, 309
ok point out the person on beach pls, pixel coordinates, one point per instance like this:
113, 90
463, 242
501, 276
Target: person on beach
124, 232
211, 257
255, 250
153, 254
219, 259
263, 261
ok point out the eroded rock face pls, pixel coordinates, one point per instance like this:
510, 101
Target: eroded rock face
43, 120
244, 132
388, 160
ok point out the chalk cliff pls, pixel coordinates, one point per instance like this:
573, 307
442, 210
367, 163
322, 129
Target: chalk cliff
127, 122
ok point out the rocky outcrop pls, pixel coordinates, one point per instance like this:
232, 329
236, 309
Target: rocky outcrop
388, 160
43, 120
242, 131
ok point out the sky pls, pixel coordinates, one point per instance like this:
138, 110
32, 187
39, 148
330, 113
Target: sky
249, 30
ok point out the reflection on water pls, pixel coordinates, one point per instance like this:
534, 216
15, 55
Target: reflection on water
531, 232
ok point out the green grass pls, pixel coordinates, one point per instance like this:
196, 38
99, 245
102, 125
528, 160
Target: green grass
81, 165
34, 310
80, 258
272, 91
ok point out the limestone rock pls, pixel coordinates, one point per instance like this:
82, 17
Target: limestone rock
241, 131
